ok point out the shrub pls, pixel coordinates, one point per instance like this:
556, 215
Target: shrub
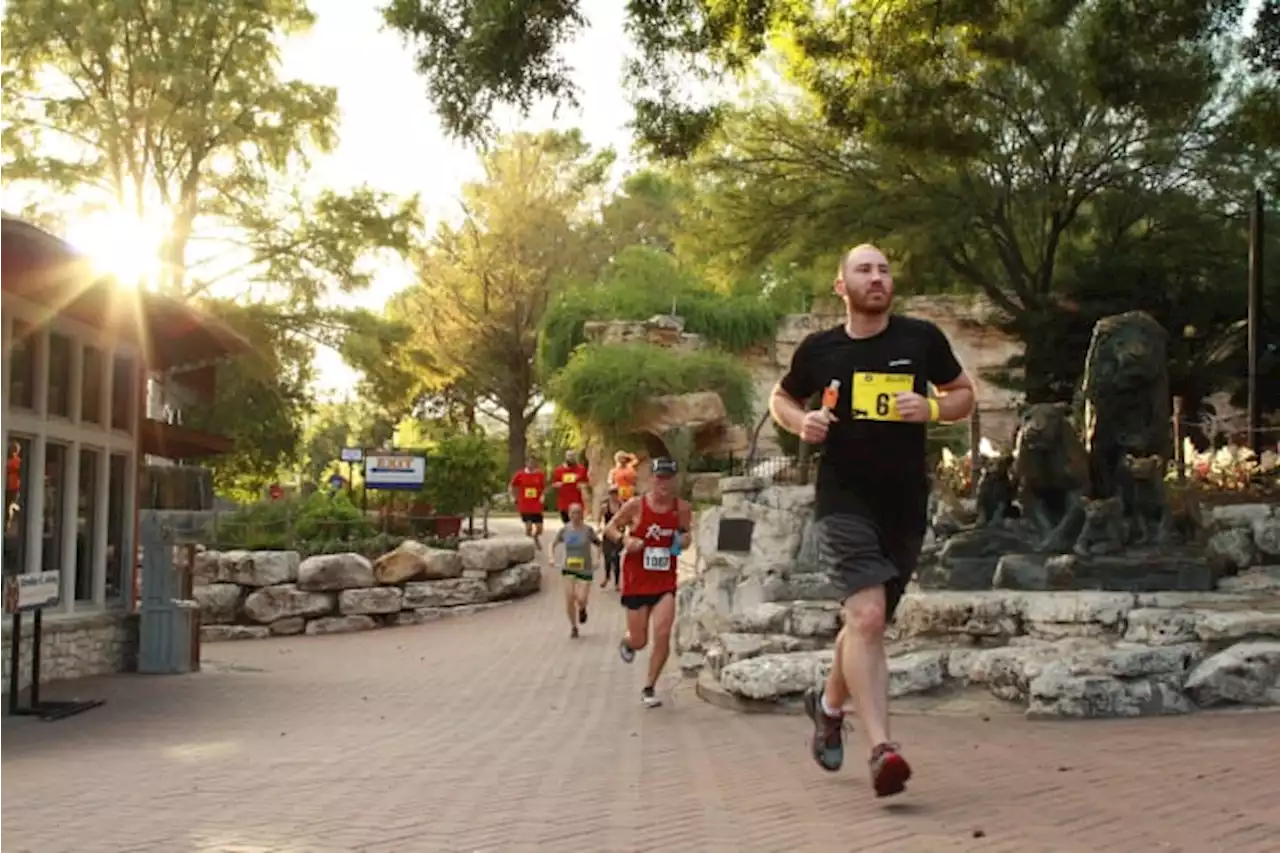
278, 525
463, 471
643, 282
605, 385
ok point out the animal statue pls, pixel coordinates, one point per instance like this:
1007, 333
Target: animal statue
995, 492
1126, 395
1051, 473
1140, 484
1105, 529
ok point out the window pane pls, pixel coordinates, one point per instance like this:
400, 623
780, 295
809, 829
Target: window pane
22, 375
91, 387
122, 402
86, 517
59, 375
117, 560
55, 481
17, 488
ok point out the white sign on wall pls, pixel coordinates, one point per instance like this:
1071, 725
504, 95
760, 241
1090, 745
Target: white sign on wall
394, 471
352, 454
27, 592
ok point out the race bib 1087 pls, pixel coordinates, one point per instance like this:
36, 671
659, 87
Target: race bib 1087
657, 559
875, 395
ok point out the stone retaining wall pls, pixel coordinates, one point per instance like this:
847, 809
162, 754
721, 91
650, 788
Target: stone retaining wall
75, 646
255, 594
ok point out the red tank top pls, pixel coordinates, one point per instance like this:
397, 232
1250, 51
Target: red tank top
652, 570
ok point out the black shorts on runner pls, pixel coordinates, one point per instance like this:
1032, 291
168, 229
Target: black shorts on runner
531, 517
577, 576
635, 602
564, 516
857, 554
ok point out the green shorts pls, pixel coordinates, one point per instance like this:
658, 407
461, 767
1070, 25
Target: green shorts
576, 575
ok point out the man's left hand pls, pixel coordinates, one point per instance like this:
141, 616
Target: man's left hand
913, 408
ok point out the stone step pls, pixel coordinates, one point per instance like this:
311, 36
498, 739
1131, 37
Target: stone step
1133, 572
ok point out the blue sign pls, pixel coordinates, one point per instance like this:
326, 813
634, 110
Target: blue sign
337, 481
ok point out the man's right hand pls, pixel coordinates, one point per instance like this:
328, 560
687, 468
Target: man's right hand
813, 429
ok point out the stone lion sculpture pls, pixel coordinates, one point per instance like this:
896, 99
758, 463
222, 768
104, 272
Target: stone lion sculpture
1126, 395
1051, 474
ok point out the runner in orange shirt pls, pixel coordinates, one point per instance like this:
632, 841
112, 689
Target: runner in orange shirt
623, 475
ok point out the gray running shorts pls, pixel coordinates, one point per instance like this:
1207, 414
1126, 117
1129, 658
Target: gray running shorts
856, 554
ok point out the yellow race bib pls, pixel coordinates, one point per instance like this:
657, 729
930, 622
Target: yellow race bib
570, 479
574, 563
531, 492
875, 395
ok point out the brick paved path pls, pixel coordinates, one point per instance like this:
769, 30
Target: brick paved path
494, 732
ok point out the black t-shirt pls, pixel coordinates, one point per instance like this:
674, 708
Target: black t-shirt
872, 464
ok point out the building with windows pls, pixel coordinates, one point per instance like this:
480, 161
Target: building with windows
79, 352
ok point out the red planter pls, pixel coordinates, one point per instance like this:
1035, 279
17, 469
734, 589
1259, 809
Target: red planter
448, 525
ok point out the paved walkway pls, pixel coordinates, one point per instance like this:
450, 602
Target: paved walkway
495, 732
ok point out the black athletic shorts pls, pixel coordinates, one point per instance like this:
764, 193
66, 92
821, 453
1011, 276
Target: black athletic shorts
531, 517
857, 554
635, 602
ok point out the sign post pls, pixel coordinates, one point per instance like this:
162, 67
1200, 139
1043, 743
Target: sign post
34, 592
352, 455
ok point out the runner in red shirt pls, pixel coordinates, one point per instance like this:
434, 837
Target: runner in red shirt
569, 480
527, 486
656, 529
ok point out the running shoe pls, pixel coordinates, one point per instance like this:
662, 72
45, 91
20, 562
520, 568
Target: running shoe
649, 699
828, 732
889, 770
625, 651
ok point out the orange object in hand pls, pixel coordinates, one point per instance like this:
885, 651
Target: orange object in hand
831, 394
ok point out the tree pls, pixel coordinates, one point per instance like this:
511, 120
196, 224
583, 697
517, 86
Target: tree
176, 112
471, 322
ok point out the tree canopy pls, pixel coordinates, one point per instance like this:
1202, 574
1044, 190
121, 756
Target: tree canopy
177, 113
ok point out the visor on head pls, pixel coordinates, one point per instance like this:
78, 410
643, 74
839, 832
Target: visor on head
664, 467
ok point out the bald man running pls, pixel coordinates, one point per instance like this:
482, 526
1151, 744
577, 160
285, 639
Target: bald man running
872, 486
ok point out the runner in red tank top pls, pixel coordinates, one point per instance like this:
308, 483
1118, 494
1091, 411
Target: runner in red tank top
653, 530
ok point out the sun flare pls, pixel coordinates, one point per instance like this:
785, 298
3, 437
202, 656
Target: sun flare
121, 245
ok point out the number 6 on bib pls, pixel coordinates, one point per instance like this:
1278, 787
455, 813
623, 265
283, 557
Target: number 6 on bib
657, 559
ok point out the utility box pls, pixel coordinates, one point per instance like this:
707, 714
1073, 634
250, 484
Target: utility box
169, 622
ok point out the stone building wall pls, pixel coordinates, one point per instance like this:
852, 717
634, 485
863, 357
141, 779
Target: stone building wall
75, 646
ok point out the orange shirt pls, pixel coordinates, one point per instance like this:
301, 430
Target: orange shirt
625, 479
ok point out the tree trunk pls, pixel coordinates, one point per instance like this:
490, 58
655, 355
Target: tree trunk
517, 438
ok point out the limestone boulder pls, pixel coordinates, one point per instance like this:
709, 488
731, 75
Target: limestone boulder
287, 627
516, 582
695, 411
340, 625
1055, 692
332, 572
1233, 548
972, 614
246, 568
495, 554
445, 593
377, 599
223, 633
412, 561
1260, 580
1244, 674
1240, 515
772, 677
219, 602
272, 603
1266, 536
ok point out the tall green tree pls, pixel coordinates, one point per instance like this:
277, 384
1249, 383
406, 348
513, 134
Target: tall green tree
471, 322
177, 112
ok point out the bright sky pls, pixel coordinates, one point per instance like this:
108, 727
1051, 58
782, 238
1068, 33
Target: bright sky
392, 139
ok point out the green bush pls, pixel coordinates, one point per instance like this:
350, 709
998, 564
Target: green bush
278, 525
640, 283
463, 471
604, 385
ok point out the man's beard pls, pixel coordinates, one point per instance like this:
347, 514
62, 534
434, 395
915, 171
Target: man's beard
860, 304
